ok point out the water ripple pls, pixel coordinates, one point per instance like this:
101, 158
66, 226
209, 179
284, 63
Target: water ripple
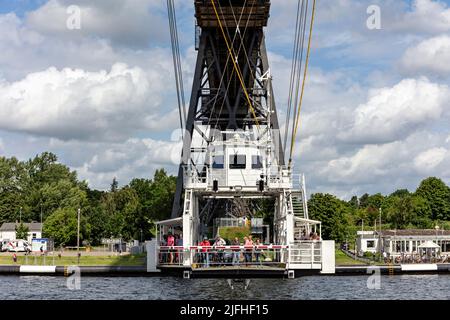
141, 288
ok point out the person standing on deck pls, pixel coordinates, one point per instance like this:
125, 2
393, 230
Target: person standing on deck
205, 254
179, 243
236, 252
257, 251
248, 250
170, 243
220, 242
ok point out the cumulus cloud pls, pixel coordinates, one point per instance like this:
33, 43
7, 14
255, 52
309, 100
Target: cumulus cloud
135, 158
76, 104
353, 138
429, 159
386, 167
426, 16
395, 112
430, 57
125, 22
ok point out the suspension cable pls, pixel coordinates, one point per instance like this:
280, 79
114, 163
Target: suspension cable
308, 51
177, 64
296, 68
238, 53
236, 67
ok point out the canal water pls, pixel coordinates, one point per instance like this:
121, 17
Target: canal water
138, 288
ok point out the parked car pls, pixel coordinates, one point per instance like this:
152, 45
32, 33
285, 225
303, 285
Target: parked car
18, 246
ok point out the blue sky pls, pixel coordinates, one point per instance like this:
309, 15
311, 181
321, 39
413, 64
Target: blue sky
376, 109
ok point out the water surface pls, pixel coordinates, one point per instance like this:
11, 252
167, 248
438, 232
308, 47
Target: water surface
138, 288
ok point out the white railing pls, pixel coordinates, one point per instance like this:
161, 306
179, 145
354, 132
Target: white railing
305, 252
196, 176
282, 178
222, 256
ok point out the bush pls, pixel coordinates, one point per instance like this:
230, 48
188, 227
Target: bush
229, 233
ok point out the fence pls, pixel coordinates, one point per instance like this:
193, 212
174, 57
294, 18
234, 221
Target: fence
222, 256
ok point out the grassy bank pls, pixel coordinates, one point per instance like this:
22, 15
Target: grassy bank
343, 260
108, 260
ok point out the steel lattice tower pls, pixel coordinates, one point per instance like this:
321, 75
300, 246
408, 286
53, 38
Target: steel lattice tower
218, 100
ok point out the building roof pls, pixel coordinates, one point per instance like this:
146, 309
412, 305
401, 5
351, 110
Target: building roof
11, 226
414, 232
429, 244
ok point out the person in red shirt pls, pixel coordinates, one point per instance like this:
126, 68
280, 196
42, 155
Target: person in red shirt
205, 253
170, 243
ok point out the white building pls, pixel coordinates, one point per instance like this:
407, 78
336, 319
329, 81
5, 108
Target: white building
398, 242
8, 231
367, 241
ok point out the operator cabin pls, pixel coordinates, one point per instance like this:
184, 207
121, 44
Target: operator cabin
237, 164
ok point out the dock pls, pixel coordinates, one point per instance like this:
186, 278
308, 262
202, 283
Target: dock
221, 272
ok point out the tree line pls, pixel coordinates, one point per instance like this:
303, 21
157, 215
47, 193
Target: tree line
425, 208
42, 189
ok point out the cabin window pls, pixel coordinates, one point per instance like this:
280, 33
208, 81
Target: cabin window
237, 161
256, 162
370, 244
34, 235
218, 162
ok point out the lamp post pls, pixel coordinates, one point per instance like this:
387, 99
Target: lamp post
41, 219
78, 235
379, 235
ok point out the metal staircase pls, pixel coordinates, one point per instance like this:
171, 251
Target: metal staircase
299, 205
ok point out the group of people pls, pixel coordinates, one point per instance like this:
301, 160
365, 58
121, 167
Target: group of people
171, 255
415, 257
312, 236
218, 256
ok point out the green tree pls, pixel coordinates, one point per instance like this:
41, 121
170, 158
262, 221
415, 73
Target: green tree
422, 213
400, 193
333, 213
354, 202
437, 193
22, 231
162, 194
364, 200
62, 226
114, 185
401, 214
13, 188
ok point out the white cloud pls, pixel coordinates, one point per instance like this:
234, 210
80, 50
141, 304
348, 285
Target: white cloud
426, 16
390, 130
431, 57
76, 104
429, 159
394, 113
385, 167
135, 158
126, 22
